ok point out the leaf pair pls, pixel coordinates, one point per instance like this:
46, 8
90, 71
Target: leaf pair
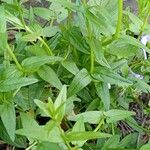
94, 117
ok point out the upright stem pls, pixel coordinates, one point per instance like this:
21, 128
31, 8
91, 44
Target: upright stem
14, 58
63, 136
99, 125
144, 24
91, 53
92, 61
49, 51
119, 22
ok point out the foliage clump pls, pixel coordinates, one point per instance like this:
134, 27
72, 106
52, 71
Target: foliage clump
73, 75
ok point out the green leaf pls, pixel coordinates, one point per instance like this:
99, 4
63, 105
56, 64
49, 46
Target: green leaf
32, 130
103, 92
43, 107
136, 24
47, 108
11, 72
32, 37
29, 93
31, 123
48, 145
61, 97
109, 76
141, 85
8, 117
99, 53
36, 133
54, 133
14, 20
115, 115
98, 21
19, 142
1, 109
8, 1
134, 42
128, 140
70, 66
60, 12
122, 49
3, 33
15, 83
77, 40
36, 50
70, 104
34, 62
48, 74
45, 13
79, 127
133, 124
145, 147
112, 142
81, 136
50, 31
118, 64
93, 105
92, 117
31, 16
60, 104
66, 4
81, 80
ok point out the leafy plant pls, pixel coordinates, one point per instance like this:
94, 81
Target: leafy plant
72, 74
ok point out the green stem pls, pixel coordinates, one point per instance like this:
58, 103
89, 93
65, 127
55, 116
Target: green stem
92, 62
63, 136
99, 125
119, 22
49, 51
20, 14
144, 24
14, 58
31, 146
92, 57
113, 130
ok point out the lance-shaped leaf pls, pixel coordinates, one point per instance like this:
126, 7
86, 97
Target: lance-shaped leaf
109, 76
80, 136
48, 74
79, 127
92, 117
8, 117
34, 62
103, 92
60, 104
81, 80
70, 66
15, 83
115, 115
3, 33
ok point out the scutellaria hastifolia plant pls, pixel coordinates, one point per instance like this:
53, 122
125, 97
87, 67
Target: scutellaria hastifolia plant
68, 75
